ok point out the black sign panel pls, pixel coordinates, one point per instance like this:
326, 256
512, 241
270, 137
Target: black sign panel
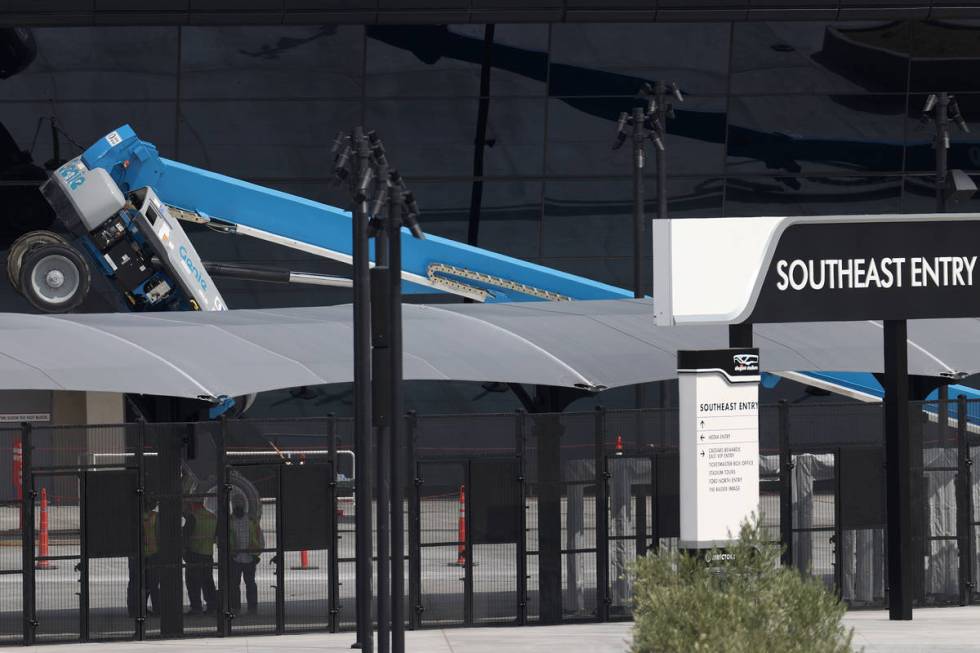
877, 270
306, 507
862, 488
667, 513
734, 362
495, 502
111, 514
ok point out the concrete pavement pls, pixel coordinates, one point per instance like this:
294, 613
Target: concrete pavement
595, 638
933, 630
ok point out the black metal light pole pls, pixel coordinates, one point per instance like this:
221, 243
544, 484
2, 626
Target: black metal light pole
942, 150
352, 158
380, 367
402, 208
382, 204
943, 109
647, 123
394, 205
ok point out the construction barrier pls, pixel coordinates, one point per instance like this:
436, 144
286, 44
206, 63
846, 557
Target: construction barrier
461, 547
42, 541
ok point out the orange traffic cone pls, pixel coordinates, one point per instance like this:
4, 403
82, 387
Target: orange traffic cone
619, 445
42, 542
304, 561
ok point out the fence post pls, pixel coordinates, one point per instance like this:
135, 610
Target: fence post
280, 554
83, 595
601, 517
414, 524
27, 532
838, 528
221, 498
334, 557
785, 486
468, 544
141, 530
964, 507
520, 447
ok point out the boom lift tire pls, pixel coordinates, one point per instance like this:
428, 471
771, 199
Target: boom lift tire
55, 278
21, 246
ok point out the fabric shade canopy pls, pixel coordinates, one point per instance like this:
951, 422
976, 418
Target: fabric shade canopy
587, 344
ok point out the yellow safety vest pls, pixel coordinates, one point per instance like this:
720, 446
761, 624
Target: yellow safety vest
202, 537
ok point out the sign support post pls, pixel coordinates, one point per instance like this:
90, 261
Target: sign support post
898, 465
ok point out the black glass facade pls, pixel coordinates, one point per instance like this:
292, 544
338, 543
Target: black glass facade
505, 131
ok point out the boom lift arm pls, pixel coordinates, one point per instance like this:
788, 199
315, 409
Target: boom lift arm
235, 206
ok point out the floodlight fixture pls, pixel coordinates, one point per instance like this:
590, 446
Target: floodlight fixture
338, 142
367, 176
341, 150
957, 116
410, 207
621, 130
341, 162
380, 201
377, 149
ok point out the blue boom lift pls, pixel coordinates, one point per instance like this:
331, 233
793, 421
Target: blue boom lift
123, 204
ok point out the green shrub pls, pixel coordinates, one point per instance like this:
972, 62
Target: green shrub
749, 604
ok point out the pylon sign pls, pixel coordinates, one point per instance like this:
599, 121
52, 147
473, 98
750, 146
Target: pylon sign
719, 443
816, 268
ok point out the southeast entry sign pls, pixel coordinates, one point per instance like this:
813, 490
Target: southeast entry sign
817, 268
719, 443
884, 273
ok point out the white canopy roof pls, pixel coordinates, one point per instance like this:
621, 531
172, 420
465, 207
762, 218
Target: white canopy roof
587, 344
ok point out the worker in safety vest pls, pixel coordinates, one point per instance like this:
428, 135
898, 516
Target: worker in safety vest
199, 529
151, 582
247, 541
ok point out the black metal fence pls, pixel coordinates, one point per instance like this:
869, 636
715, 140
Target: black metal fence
158, 530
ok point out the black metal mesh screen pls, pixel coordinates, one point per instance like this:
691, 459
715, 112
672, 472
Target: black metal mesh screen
511, 523
11, 535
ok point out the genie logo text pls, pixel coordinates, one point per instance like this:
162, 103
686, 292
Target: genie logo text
192, 267
73, 174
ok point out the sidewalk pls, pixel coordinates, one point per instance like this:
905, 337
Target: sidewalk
934, 630
595, 638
